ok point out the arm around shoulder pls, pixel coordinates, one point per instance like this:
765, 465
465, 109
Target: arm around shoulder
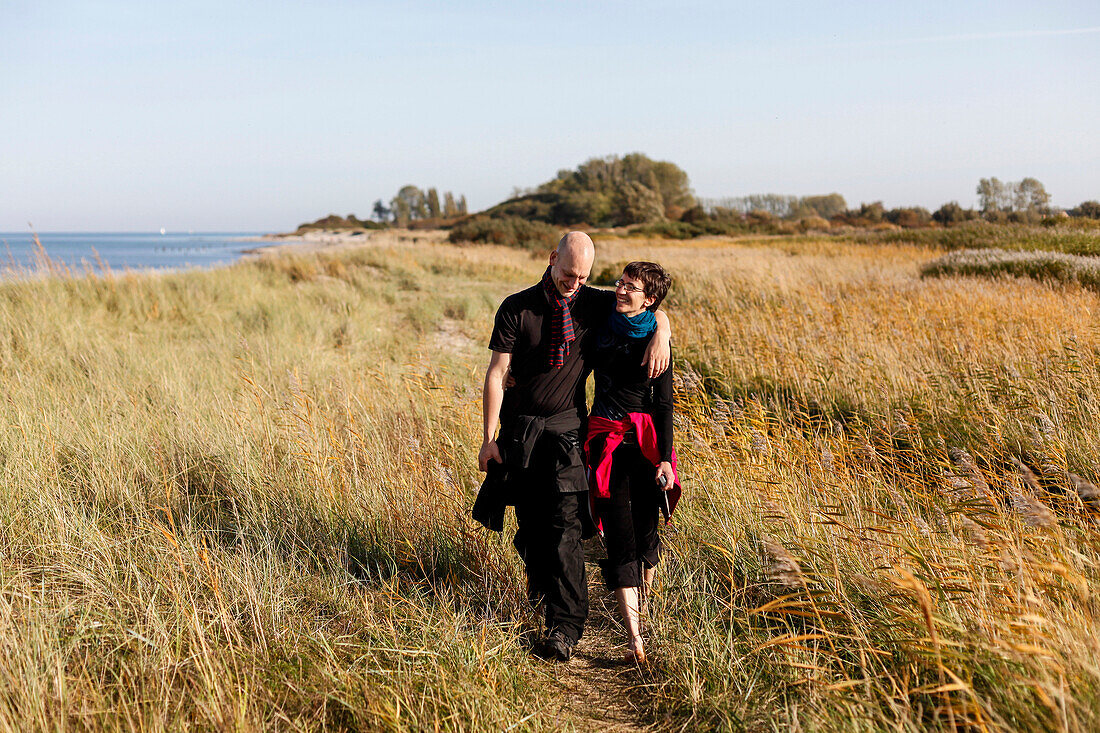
658, 355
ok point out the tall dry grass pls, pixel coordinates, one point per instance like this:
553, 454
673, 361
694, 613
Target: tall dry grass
238, 498
891, 521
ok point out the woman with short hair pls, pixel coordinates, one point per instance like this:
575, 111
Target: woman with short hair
631, 463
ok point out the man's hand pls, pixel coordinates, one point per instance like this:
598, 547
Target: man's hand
489, 452
665, 469
658, 355
657, 358
492, 397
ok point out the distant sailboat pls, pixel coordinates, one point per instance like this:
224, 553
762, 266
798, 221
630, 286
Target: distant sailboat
162, 231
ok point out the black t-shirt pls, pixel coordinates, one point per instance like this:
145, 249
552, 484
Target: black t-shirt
522, 329
623, 385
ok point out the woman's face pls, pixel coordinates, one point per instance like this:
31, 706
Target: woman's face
630, 299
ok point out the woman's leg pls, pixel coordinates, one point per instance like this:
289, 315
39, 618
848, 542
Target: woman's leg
623, 569
647, 584
644, 517
628, 609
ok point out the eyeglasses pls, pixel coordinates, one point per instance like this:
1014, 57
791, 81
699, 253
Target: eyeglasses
628, 287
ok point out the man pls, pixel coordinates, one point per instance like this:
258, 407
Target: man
541, 337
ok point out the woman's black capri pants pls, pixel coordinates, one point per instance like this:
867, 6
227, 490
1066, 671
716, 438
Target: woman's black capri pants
630, 518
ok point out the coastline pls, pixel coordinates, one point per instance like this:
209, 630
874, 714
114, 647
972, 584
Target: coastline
264, 245
331, 240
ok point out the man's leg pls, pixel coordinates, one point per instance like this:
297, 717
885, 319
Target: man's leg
566, 583
531, 542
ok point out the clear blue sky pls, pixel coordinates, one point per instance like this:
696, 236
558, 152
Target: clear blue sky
257, 116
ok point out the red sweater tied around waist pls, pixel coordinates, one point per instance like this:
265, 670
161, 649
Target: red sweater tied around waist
599, 467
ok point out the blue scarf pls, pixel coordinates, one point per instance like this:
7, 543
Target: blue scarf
635, 327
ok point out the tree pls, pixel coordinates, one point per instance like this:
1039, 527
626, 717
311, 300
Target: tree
673, 185
582, 207
1028, 197
872, 212
381, 211
618, 178
636, 203
952, 213
450, 208
432, 202
909, 217
462, 205
992, 195
826, 206
408, 205
1031, 196
1086, 210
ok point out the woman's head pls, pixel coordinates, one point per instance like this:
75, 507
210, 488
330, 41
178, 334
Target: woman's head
642, 287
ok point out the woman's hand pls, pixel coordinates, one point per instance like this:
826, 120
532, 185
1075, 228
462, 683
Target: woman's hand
665, 469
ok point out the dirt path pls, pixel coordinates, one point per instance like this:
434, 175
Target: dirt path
598, 688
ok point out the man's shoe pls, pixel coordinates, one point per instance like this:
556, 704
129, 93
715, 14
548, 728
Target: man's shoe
558, 646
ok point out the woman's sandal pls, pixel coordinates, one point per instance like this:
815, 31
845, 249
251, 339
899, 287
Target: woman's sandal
636, 653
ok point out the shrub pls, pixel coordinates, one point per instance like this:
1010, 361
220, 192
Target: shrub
813, 222
511, 231
609, 274
582, 206
1049, 266
694, 215
332, 221
1086, 210
669, 230
1071, 238
759, 216
952, 213
909, 218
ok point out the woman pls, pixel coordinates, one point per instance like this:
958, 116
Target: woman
631, 464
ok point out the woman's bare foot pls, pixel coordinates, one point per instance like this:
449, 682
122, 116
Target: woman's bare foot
636, 652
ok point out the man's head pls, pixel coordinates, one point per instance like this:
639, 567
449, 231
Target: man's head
571, 262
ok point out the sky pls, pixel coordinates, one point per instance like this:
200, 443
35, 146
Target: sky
257, 116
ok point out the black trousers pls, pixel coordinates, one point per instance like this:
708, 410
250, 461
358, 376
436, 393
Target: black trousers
549, 541
630, 518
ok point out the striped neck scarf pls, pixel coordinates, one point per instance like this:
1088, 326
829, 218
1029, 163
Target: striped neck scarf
561, 324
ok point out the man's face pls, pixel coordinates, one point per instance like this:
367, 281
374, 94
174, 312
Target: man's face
569, 272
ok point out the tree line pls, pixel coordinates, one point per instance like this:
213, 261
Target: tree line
633, 189
413, 204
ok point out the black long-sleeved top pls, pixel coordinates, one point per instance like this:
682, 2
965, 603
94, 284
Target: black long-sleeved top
622, 386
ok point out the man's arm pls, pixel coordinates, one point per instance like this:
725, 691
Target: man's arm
492, 396
658, 355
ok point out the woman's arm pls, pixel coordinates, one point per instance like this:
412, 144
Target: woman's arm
662, 413
662, 422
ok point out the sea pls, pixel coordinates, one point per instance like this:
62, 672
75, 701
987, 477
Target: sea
121, 251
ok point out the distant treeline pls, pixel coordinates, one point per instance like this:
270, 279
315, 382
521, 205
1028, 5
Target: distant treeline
655, 197
411, 206
783, 207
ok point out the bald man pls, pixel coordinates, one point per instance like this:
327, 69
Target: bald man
541, 335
